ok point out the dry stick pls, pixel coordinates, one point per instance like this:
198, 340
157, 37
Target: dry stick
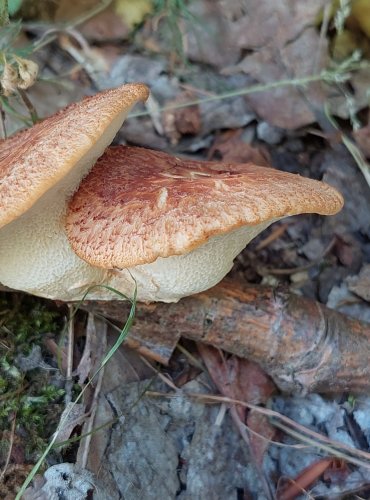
70, 345
3, 134
243, 430
10, 449
302, 432
300, 343
30, 107
85, 444
83, 452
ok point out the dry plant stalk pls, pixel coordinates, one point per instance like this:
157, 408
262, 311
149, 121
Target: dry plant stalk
303, 345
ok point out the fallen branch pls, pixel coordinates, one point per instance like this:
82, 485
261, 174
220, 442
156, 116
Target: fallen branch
301, 344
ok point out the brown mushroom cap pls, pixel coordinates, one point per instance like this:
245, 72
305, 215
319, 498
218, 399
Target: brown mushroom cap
33, 161
137, 205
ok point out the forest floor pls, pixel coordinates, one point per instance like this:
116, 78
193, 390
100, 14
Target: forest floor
243, 81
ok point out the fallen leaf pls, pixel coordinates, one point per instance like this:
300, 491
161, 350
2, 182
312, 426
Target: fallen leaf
285, 107
262, 433
132, 12
267, 23
73, 415
349, 252
243, 380
237, 378
297, 486
210, 37
180, 121
280, 42
360, 285
70, 9
229, 147
105, 26
93, 351
225, 114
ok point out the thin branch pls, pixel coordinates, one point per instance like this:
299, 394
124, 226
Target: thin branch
10, 449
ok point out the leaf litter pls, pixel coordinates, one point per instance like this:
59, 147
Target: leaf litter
192, 448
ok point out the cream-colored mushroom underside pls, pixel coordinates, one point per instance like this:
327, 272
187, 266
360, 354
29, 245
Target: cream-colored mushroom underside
35, 256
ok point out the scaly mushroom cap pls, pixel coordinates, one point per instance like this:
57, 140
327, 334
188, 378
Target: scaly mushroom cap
33, 161
137, 205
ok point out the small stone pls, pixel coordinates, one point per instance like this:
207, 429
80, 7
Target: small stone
313, 249
269, 134
299, 277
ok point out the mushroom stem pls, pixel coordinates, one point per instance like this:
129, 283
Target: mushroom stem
35, 255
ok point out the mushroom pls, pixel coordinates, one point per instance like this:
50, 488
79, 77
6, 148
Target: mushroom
40, 168
140, 218
174, 225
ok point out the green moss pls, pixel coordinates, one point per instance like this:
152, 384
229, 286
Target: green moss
29, 396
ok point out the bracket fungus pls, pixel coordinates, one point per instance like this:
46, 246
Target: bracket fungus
172, 226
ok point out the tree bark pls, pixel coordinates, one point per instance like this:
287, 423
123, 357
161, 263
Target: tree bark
303, 345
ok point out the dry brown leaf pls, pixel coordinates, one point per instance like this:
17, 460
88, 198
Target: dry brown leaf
285, 107
93, 351
267, 23
263, 433
282, 44
229, 147
181, 121
210, 37
242, 380
237, 378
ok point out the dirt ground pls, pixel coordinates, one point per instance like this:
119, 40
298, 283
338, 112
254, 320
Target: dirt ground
175, 413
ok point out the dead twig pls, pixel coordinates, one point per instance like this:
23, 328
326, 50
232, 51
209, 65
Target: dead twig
10, 449
303, 345
70, 345
3, 134
98, 328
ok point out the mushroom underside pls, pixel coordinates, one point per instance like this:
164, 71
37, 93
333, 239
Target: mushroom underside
41, 261
184, 223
